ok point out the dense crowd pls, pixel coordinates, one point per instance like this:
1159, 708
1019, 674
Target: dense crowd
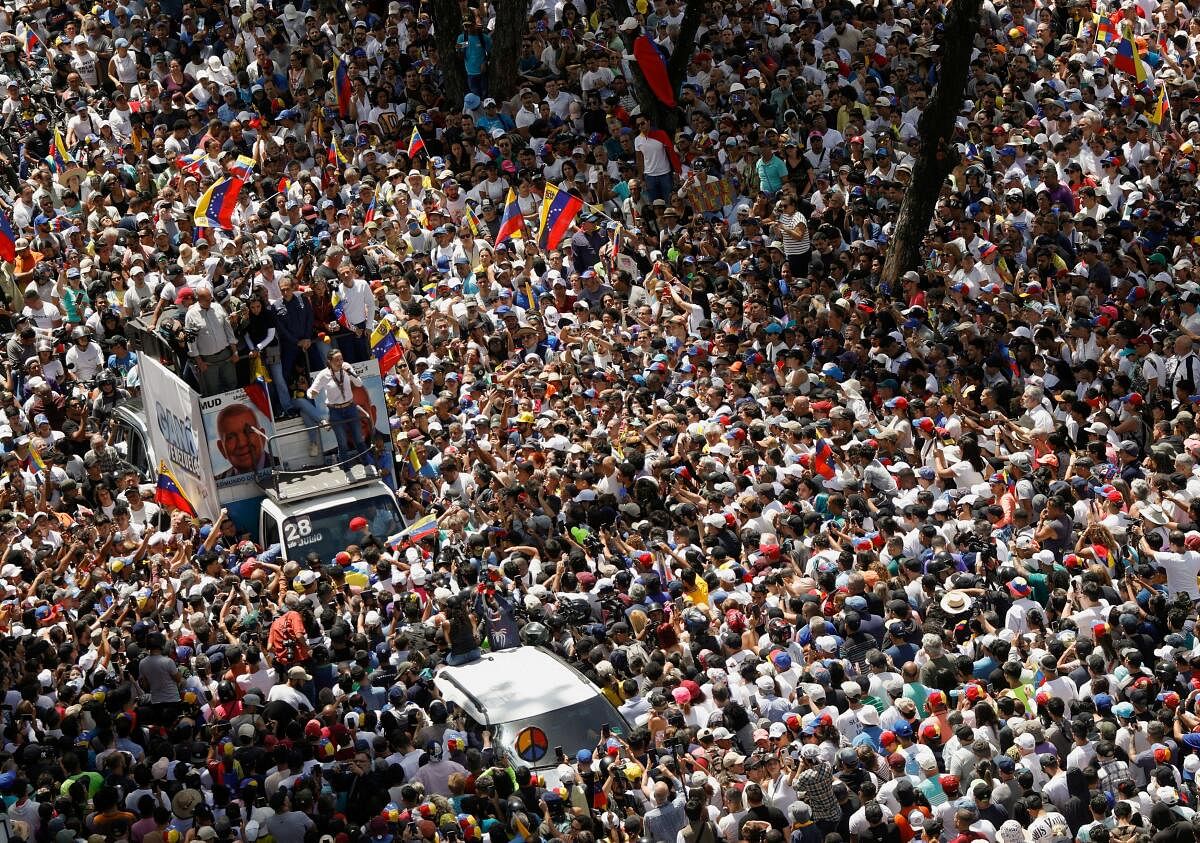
857, 559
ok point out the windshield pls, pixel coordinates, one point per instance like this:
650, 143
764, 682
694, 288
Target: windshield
573, 728
327, 531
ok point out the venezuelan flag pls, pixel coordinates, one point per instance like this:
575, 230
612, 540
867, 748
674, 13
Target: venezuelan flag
60, 156
370, 214
512, 224
284, 185
339, 309
472, 221
36, 463
385, 346
28, 37
559, 210
341, 85
168, 493
416, 143
242, 168
418, 530
1161, 107
822, 461
217, 205
335, 152
192, 162
1127, 59
8, 242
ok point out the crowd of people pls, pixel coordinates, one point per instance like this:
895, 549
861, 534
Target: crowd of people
857, 559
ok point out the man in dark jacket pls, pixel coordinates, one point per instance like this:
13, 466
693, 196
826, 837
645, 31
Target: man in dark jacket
294, 321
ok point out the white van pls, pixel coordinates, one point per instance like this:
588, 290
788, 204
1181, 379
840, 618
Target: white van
533, 703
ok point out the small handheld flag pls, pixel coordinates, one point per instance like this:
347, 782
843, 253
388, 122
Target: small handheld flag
472, 221
336, 156
385, 346
823, 459
559, 210
60, 156
370, 214
168, 493
339, 310
416, 143
192, 162
1161, 107
512, 224
242, 167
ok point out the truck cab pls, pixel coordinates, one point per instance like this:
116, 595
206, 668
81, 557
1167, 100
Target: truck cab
304, 509
310, 511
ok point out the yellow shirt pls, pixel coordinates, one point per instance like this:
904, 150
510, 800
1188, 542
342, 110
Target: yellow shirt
699, 594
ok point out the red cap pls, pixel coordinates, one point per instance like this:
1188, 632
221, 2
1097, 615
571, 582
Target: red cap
930, 731
343, 558
358, 523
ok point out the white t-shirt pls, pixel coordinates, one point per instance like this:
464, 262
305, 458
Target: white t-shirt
654, 155
1181, 569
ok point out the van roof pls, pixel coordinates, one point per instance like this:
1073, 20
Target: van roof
513, 685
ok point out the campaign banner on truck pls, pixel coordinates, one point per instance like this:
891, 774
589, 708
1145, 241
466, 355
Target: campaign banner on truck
238, 427
174, 423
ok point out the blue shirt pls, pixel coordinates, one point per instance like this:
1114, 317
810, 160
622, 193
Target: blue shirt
771, 174
475, 52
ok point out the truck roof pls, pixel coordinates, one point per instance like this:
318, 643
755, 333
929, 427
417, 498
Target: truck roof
292, 486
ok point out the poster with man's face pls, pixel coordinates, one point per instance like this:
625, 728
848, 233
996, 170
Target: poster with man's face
238, 425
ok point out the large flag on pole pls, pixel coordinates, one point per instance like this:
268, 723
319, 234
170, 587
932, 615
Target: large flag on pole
559, 210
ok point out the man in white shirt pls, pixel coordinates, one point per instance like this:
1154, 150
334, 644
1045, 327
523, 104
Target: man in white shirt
337, 383
357, 303
290, 692
1181, 564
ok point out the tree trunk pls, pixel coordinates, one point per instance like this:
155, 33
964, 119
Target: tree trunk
512, 19
661, 117
938, 154
447, 18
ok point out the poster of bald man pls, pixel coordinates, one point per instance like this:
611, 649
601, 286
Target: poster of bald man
237, 428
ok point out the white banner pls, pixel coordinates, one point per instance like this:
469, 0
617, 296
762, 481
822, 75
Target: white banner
175, 425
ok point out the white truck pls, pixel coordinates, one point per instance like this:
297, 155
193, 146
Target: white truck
306, 508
